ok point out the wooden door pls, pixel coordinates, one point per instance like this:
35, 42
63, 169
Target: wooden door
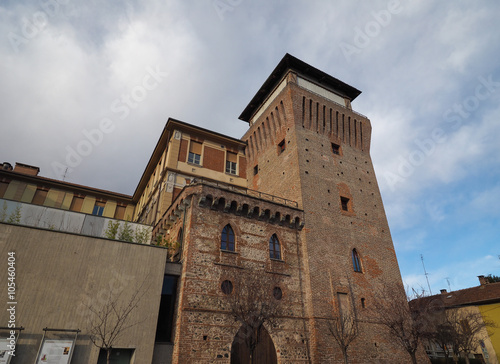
265, 352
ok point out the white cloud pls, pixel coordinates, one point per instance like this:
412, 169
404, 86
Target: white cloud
456, 33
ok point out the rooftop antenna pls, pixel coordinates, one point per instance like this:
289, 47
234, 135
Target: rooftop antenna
448, 280
426, 274
65, 172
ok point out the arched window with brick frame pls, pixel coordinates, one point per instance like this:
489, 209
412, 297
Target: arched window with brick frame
180, 236
274, 248
356, 262
227, 238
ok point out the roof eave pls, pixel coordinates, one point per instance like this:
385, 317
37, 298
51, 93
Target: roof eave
287, 63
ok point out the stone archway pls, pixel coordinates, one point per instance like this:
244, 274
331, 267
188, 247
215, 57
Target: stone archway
264, 353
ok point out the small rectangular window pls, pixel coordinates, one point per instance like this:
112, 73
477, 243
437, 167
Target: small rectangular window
344, 306
118, 355
3, 188
39, 197
231, 162
194, 156
336, 149
76, 204
120, 212
98, 208
256, 170
345, 203
281, 146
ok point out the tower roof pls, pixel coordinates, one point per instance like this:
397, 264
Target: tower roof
289, 62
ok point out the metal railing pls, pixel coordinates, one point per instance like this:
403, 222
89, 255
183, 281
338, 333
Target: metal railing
245, 191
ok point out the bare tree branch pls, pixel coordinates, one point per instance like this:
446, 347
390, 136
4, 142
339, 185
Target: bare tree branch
457, 330
344, 329
108, 321
255, 302
406, 327
343, 325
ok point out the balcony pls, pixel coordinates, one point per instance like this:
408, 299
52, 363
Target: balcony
73, 222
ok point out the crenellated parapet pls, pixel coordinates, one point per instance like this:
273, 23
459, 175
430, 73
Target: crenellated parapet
237, 202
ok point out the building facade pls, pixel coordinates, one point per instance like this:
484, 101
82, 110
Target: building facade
481, 306
305, 146
185, 152
22, 183
291, 210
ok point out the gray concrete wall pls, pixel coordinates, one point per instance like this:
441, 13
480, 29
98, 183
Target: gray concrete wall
59, 275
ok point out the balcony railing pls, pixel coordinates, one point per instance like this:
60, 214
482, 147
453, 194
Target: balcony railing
245, 191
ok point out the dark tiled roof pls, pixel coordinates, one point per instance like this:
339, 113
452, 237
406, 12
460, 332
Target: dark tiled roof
289, 62
480, 295
63, 184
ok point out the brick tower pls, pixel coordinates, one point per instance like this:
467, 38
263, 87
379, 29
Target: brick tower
305, 143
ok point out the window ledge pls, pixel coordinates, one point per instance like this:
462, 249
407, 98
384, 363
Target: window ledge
229, 251
347, 213
277, 260
194, 164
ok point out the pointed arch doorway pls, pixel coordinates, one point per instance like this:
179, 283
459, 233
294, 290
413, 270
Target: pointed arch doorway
264, 352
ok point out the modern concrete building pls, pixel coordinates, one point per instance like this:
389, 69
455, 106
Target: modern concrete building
291, 209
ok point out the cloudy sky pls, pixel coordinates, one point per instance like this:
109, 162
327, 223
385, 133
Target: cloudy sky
90, 85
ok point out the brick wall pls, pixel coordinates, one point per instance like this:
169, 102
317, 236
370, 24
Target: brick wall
309, 172
205, 329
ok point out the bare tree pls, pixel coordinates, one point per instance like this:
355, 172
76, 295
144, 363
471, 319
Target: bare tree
406, 327
108, 321
344, 329
442, 335
456, 330
461, 328
343, 325
255, 301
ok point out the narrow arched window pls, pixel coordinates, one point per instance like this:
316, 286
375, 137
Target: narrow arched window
227, 238
274, 247
180, 236
356, 263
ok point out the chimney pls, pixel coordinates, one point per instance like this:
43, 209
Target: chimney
483, 280
26, 169
443, 291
